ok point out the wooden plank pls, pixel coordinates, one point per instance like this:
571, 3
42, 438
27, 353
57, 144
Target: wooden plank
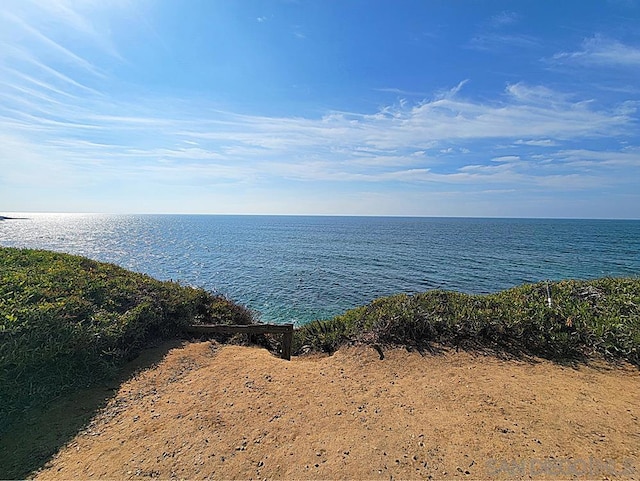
245, 329
285, 329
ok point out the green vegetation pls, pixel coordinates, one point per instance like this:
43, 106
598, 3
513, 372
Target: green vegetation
599, 317
67, 321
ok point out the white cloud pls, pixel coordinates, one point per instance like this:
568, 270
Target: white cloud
298, 33
54, 48
398, 91
494, 35
537, 142
506, 158
501, 41
602, 51
455, 90
65, 123
504, 18
625, 159
59, 128
401, 143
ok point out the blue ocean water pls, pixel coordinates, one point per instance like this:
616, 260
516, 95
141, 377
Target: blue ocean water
296, 269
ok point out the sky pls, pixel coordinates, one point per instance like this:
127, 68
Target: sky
331, 107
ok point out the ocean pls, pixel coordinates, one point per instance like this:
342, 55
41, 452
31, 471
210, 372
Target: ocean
300, 268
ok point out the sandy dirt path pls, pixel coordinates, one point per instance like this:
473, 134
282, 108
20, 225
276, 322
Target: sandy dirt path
238, 412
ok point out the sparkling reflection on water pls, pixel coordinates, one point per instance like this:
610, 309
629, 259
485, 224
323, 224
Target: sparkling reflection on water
296, 268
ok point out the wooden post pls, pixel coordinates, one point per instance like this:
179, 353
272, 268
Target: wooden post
285, 329
287, 341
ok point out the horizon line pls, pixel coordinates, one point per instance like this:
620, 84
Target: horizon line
244, 214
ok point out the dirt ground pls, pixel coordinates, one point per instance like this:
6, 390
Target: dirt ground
207, 411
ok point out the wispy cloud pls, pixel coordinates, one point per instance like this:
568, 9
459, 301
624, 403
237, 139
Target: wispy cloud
537, 142
298, 32
87, 19
53, 47
524, 111
398, 91
64, 122
602, 51
506, 158
497, 34
504, 18
502, 41
402, 143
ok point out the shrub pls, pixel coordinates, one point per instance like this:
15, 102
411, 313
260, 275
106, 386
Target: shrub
67, 321
586, 317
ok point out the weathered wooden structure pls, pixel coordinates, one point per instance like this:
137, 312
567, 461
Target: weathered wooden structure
285, 329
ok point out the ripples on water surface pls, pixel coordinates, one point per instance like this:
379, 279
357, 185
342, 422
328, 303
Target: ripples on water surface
303, 268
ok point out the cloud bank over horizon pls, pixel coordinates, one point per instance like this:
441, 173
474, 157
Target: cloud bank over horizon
281, 108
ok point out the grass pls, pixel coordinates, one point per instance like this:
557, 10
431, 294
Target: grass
68, 322
586, 318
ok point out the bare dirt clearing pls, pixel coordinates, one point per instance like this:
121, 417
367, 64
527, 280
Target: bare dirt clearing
238, 412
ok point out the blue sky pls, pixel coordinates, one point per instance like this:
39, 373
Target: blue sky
370, 107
